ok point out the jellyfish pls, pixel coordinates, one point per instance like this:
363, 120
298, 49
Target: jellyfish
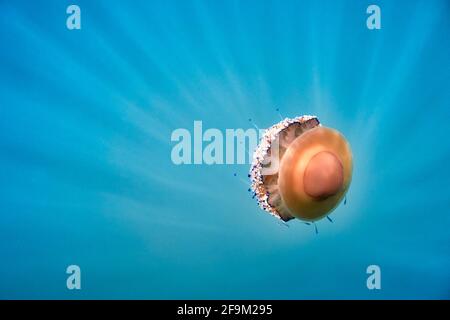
301, 169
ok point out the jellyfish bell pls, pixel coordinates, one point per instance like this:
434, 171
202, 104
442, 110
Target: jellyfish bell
301, 169
315, 173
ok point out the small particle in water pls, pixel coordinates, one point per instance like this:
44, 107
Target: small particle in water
279, 114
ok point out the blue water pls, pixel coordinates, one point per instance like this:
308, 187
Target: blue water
86, 174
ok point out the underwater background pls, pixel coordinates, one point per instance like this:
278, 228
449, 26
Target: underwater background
86, 118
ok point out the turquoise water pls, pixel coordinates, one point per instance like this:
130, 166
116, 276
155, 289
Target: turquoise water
86, 118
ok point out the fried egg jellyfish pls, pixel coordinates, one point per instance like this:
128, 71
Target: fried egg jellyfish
301, 169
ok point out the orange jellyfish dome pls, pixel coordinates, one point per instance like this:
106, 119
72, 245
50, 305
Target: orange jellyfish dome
301, 169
